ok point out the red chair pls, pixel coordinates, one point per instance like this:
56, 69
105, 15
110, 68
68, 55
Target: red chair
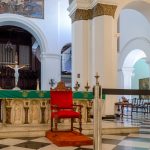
62, 106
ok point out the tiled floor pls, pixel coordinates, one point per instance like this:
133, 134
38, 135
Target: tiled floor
110, 142
137, 141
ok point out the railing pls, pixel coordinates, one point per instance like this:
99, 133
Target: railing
32, 107
34, 111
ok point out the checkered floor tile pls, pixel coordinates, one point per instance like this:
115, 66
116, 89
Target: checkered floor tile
109, 142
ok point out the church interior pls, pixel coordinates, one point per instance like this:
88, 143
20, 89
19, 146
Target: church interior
82, 65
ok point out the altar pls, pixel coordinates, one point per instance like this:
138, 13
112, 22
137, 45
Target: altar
26, 113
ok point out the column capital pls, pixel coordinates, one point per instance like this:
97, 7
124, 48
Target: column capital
86, 10
104, 9
128, 71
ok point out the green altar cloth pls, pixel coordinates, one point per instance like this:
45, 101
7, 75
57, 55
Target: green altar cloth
41, 94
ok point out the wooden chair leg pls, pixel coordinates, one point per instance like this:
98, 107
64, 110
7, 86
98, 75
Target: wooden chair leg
51, 124
80, 124
71, 124
56, 121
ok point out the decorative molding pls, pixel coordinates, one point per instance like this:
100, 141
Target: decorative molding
50, 55
81, 14
61, 87
98, 10
104, 9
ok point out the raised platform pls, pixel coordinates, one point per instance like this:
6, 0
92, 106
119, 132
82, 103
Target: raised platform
68, 138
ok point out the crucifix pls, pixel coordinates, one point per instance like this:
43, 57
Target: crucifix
16, 68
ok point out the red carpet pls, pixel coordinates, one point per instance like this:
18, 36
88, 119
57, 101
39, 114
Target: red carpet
68, 138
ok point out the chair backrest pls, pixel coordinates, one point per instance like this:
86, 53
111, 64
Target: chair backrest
61, 96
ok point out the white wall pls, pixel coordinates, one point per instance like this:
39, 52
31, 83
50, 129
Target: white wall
49, 25
132, 24
56, 27
53, 32
134, 34
64, 24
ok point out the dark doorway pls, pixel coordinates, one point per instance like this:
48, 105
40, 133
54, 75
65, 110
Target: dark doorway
17, 48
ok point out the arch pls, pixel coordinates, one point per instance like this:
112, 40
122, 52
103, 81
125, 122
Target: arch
133, 57
27, 24
134, 50
31, 27
128, 66
125, 66
141, 43
134, 4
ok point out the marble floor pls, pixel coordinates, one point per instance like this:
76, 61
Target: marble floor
136, 141
109, 142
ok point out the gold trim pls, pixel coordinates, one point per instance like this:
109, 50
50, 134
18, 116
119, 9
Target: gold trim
25, 93
41, 94
81, 14
98, 10
104, 9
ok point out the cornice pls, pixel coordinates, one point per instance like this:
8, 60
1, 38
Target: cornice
79, 4
109, 2
97, 10
50, 55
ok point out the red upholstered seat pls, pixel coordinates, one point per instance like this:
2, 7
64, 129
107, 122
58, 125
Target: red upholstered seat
66, 114
62, 105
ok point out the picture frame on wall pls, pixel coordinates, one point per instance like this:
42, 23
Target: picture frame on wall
28, 8
144, 84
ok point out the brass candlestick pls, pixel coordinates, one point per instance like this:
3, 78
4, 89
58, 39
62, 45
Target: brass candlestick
97, 76
87, 87
77, 85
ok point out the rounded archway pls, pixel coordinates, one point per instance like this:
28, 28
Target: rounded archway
140, 6
128, 66
133, 42
31, 27
27, 24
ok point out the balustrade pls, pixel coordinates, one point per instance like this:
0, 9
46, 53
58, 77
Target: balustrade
35, 111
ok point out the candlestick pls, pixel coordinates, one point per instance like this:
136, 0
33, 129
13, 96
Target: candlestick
77, 85
97, 76
87, 87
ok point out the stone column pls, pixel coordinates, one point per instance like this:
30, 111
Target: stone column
43, 107
8, 107
81, 20
104, 52
127, 75
26, 110
79, 53
94, 46
50, 69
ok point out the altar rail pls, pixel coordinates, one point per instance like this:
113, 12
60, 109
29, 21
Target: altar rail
33, 107
34, 111
40, 94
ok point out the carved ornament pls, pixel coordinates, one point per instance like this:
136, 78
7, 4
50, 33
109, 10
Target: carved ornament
98, 10
61, 87
81, 14
104, 9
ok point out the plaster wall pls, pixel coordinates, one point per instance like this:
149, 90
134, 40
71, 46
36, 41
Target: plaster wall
132, 25
64, 24
52, 33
